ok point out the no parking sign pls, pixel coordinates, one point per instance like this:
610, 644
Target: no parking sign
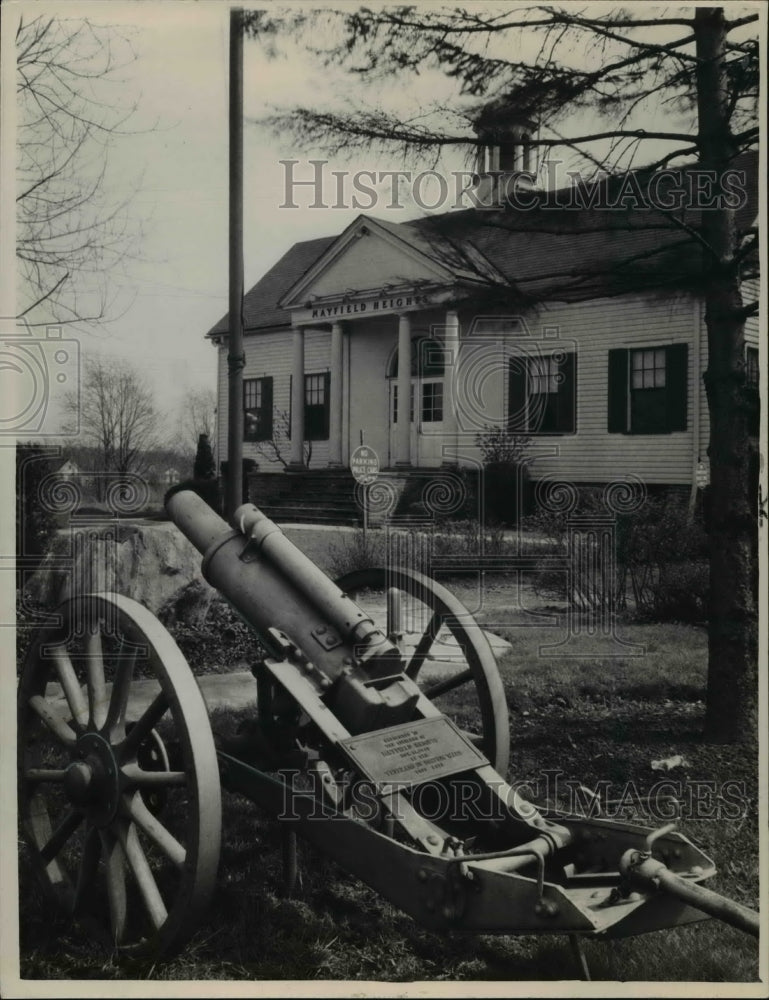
364, 464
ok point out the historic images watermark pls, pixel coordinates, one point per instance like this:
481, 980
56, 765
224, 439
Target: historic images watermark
462, 798
309, 184
39, 367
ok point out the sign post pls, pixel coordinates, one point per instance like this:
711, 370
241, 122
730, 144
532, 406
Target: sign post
364, 465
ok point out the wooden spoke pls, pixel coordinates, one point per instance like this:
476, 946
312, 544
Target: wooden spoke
424, 645
61, 835
121, 688
97, 686
41, 774
449, 684
437, 609
136, 775
154, 829
47, 714
86, 875
103, 839
70, 685
142, 873
143, 727
117, 897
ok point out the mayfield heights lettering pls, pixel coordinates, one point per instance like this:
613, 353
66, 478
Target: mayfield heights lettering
378, 305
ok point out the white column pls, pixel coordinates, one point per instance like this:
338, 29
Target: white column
451, 345
335, 400
403, 437
297, 400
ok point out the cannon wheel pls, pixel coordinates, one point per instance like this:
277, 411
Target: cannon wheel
119, 791
429, 607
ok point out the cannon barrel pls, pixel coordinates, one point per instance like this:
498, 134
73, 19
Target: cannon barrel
647, 872
274, 585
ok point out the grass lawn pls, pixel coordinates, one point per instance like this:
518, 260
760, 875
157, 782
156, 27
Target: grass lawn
584, 719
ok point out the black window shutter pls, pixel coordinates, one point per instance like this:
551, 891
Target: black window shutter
326, 404
617, 391
676, 381
567, 395
290, 405
266, 408
516, 396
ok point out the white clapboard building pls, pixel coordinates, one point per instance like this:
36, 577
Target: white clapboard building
580, 326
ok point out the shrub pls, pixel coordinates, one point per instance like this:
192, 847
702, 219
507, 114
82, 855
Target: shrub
204, 466
356, 550
498, 444
506, 495
665, 552
661, 560
463, 537
36, 521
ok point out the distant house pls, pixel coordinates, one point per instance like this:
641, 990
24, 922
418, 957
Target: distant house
69, 470
582, 328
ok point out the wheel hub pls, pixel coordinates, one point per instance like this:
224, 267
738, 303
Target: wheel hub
92, 781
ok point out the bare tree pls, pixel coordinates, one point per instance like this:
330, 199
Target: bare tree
118, 416
277, 447
196, 416
71, 228
620, 68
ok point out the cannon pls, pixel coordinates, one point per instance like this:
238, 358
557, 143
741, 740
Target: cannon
120, 774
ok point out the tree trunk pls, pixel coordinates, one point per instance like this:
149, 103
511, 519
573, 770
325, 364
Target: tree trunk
732, 692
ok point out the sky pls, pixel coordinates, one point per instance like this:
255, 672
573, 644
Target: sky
173, 288
175, 285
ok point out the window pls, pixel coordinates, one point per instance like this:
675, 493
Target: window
257, 409
316, 407
542, 396
395, 403
647, 391
432, 402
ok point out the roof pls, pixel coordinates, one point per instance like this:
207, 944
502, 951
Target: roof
260, 304
548, 251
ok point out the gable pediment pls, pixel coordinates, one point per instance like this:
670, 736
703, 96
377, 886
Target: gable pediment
365, 257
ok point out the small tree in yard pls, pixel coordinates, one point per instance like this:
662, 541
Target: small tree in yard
276, 448
204, 467
505, 473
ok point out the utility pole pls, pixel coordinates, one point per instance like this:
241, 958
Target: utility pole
235, 357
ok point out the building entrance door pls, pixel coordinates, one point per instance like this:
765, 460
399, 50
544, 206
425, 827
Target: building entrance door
425, 421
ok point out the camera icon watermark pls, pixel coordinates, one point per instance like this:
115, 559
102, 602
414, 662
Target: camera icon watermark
39, 375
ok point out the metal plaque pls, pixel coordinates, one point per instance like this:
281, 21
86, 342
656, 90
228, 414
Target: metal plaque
413, 752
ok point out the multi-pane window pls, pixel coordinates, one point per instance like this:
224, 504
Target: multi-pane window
432, 402
648, 410
257, 409
648, 369
542, 394
543, 376
316, 407
648, 390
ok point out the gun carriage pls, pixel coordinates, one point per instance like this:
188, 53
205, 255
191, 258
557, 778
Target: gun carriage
119, 772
